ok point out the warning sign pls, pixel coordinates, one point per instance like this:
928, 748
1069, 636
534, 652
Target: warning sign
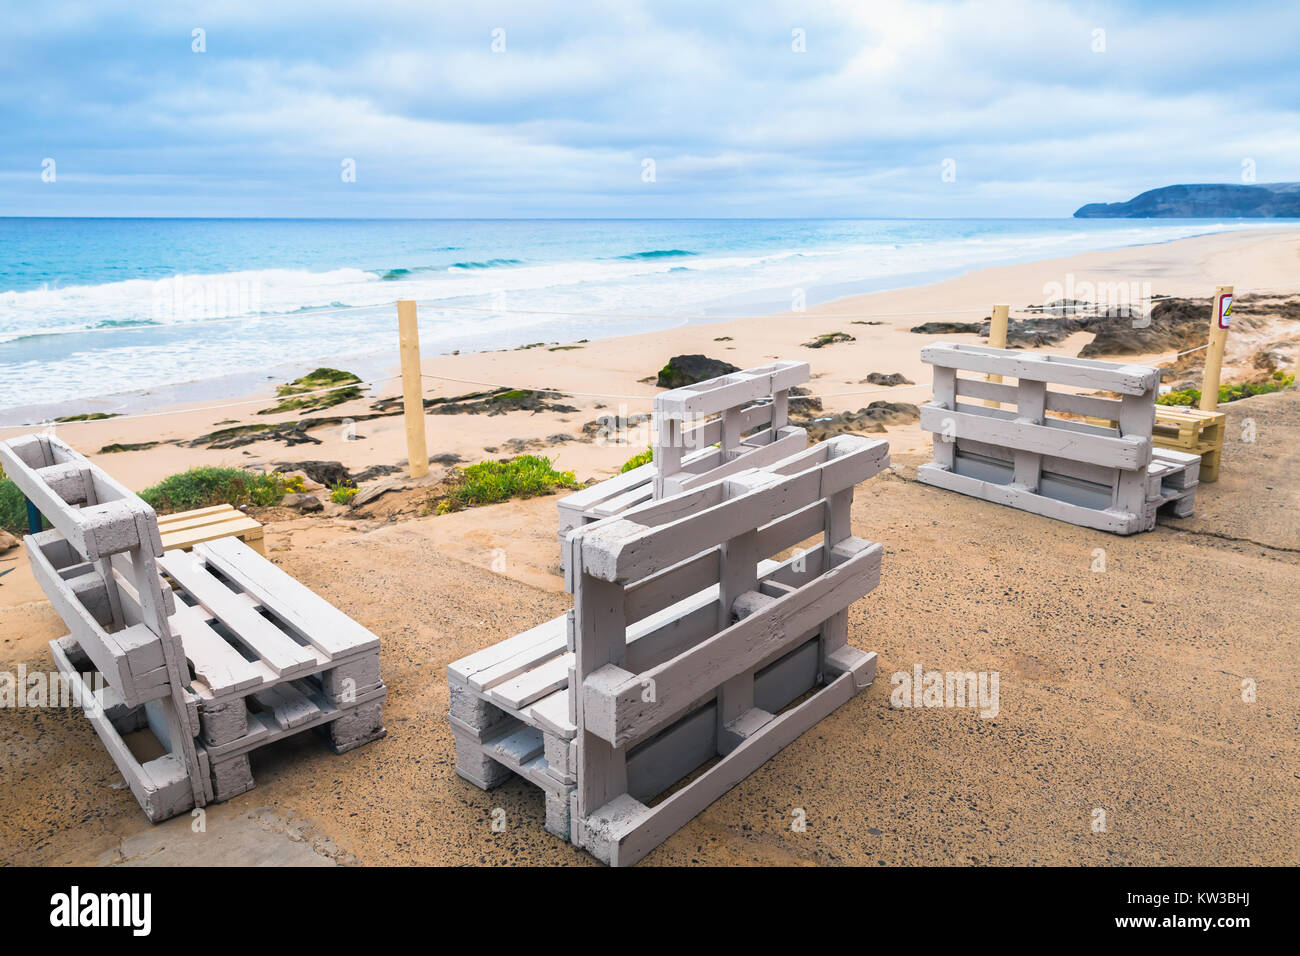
1225, 310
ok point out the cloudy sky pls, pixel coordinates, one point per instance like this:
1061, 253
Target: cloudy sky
496, 109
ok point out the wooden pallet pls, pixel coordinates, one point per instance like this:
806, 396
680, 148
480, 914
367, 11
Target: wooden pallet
185, 529
1022, 456
269, 658
237, 656
730, 636
1172, 478
1194, 431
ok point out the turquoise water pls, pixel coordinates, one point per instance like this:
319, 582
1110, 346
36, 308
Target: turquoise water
94, 307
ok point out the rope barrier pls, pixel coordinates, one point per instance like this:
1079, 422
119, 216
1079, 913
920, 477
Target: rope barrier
442, 307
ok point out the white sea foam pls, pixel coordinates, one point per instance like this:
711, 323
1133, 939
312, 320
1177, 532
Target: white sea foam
66, 342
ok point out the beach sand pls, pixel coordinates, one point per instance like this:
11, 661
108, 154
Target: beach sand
1120, 690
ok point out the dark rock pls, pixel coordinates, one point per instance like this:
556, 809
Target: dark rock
689, 369
303, 503
948, 328
890, 380
292, 433
612, 428
873, 418
380, 471
828, 338
327, 473
801, 403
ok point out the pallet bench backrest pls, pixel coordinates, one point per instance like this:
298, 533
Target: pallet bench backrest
980, 423
98, 566
724, 631
745, 414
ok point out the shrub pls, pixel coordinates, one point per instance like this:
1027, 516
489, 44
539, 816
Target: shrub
343, 494
1230, 393
207, 486
321, 378
13, 507
491, 481
636, 461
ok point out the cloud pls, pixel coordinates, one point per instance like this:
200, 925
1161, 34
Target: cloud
1036, 117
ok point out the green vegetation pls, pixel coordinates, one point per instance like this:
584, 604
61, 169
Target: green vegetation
514, 395
87, 417
13, 507
1230, 393
207, 486
330, 378
636, 461
343, 494
828, 338
491, 481
128, 446
563, 348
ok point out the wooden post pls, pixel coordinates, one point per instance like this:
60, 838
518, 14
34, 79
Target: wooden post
417, 453
997, 340
1220, 317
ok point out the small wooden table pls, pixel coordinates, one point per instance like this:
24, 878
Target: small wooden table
1194, 431
185, 529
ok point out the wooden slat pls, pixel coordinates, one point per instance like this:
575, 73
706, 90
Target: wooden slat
485, 667
311, 616
1100, 519
1127, 453
533, 685
276, 649
1083, 373
289, 706
177, 517
222, 668
246, 529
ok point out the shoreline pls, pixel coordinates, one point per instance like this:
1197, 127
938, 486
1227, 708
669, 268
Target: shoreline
822, 295
605, 376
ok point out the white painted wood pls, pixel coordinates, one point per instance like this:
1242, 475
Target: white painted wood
1036, 366
315, 619
273, 646
1042, 439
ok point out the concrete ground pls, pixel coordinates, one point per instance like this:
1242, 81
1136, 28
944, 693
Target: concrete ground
1120, 691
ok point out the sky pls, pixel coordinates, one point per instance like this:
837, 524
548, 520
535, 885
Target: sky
637, 109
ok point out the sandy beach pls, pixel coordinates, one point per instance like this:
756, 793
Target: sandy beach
1114, 695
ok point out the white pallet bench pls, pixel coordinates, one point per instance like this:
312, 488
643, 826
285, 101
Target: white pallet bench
238, 656
269, 658
699, 604
103, 544
745, 414
997, 441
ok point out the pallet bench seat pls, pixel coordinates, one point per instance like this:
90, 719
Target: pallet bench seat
1000, 442
211, 653
744, 414
695, 596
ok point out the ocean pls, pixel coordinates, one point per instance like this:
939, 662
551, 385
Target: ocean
162, 310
